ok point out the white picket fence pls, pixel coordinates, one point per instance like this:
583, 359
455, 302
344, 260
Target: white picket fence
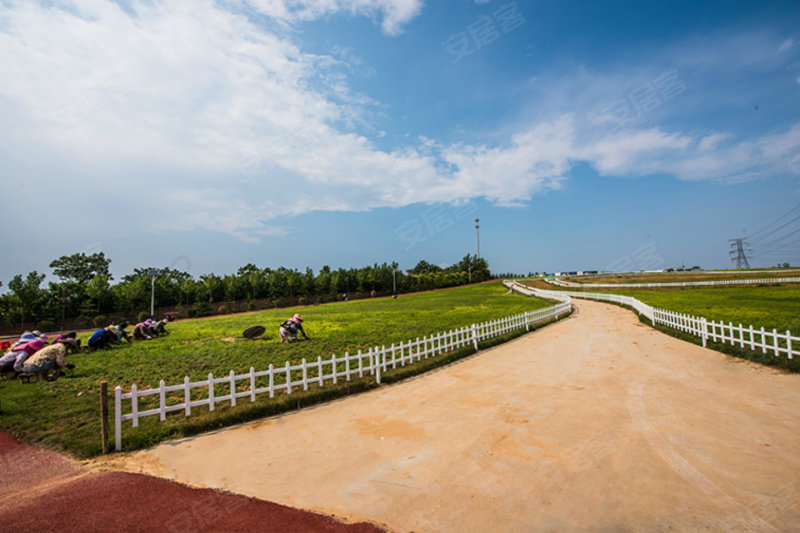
289, 378
750, 337
561, 283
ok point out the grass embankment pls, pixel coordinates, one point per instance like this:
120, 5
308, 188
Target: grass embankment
767, 307
679, 277
770, 307
64, 414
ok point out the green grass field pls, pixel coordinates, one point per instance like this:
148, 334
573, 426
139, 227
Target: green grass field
770, 307
64, 414
678, 277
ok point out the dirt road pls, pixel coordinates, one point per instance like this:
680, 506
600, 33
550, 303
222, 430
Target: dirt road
596, 423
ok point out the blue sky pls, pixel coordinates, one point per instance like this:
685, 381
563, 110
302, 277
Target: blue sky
584, 135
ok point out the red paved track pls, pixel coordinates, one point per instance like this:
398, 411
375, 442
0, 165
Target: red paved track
44, 491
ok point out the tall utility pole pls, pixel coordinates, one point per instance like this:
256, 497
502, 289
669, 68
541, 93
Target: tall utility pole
738, 249
478, 235
153, 273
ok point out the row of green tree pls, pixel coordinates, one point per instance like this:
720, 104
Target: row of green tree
85, 291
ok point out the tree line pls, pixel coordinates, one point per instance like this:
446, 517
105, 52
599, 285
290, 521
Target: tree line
85, 293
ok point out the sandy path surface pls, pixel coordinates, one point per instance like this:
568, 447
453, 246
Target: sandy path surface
596, 423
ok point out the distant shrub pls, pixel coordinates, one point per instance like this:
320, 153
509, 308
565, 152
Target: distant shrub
100, 321
199, 309
251, 305
223, 309
144, 315
47, 325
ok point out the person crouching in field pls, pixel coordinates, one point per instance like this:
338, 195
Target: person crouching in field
103, 338
289, 328
16, 356
144, 331
122, 335
49, 358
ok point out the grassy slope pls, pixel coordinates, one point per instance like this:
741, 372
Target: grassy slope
770, 307
64, 414
678, 277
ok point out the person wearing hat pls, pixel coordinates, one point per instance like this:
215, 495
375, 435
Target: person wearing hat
50, 357
289, 328
103, 338
70, 335
14, 358
25, 337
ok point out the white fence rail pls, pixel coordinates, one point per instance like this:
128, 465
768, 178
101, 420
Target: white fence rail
290, 378
778, 344
561, 283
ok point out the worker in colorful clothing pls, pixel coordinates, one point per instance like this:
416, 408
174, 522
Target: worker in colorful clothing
70, 335
50, 357
289, 328
14, 358
29, 336
122, 334
103, 338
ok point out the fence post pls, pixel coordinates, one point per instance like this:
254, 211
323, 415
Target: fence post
135, 405
162, 401
187, 396
211, 402
775, 341
104, 416
475, 337
789, 343
377, 367
252, 384
703, 333
118, 418
271, 381
232, 388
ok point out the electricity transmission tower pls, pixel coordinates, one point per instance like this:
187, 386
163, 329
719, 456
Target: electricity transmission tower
738, 249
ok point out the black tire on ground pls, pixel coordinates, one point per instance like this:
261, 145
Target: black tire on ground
254, 332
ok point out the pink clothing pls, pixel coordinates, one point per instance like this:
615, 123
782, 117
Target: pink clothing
31, 347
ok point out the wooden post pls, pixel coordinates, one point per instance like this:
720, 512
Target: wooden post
104, 415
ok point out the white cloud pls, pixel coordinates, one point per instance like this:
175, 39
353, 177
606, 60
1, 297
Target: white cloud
395, 14
625, 152
195, 114
710, 141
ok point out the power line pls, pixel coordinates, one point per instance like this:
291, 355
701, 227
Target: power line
761, 239
764, 228
776, 241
